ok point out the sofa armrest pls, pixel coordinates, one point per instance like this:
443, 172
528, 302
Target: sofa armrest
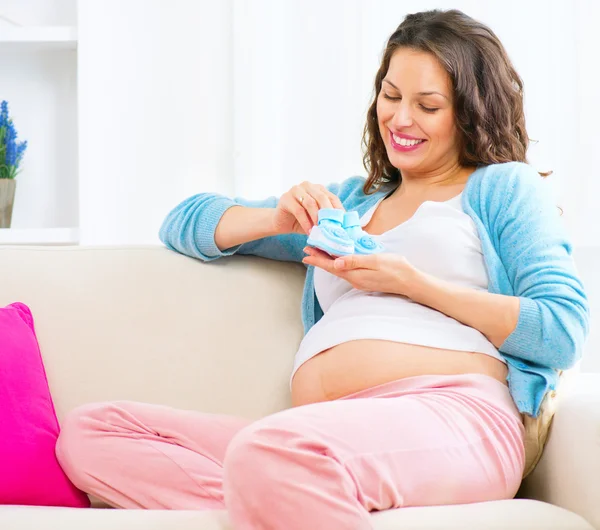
568, 474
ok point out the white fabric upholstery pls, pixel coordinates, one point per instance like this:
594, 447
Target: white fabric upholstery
499, 515
148, 324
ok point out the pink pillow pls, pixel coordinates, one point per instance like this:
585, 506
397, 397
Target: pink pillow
29, 471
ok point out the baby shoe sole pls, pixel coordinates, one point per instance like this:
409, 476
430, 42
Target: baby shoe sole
334, 248
321, 245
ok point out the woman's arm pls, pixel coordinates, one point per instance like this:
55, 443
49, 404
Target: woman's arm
191, 229
494, 315
209, 226
545, 319
536, 265
241, 224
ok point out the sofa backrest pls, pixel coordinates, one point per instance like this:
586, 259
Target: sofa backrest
148, 324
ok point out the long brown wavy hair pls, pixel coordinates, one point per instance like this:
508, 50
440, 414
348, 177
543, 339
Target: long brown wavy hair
488, 92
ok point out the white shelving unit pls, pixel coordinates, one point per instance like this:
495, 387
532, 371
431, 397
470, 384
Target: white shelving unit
39, 38
38, 60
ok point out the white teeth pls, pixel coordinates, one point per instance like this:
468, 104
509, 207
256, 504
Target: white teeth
405, 142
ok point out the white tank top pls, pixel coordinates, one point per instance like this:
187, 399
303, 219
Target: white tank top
439, 239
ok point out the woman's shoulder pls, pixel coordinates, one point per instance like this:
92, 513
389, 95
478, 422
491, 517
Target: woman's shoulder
501, 193
507, 172
505, 180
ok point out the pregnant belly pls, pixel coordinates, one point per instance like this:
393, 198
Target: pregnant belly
360, 364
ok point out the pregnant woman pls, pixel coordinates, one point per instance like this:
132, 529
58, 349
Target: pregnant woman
422, 367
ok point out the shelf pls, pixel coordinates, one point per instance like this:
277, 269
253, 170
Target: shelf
39, 37
39, 236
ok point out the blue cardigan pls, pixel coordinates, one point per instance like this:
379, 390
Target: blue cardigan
525, 246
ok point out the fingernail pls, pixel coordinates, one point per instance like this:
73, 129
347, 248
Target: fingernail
338, 264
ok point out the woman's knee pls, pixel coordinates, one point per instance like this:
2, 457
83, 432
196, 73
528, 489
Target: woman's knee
254, 472
280, 462
78, 443
267, 453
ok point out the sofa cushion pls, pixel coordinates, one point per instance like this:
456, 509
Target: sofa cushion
29, 470
495, 515
148, 324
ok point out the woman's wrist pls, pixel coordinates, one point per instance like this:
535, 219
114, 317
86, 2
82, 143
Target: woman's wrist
413, 284
271, 226
265, 222
241, 224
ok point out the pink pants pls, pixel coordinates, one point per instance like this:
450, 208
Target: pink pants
419, 441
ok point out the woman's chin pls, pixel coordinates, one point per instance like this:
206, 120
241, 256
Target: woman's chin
405, 163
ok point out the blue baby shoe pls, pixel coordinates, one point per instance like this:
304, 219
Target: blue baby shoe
329, 235
363, 243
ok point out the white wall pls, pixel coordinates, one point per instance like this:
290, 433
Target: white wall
155, 115
300, 88
588, 264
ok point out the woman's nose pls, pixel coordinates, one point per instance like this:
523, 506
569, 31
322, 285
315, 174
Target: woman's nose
402, 116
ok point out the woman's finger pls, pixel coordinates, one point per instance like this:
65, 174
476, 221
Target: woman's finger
295, 205
335, 200
312, 208
314, 197
303, 218
321, 195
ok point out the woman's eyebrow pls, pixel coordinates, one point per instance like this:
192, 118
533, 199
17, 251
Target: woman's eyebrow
429, 93
433, 92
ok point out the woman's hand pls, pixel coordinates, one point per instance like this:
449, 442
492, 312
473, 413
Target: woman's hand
494, 315
383, 273
298, 208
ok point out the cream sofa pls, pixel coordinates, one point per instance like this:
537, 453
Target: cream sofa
145, 323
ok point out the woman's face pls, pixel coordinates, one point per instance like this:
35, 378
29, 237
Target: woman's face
415, 113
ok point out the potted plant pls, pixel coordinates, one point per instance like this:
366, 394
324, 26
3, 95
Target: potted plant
11, 153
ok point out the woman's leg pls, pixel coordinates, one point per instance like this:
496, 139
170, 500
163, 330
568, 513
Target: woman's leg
419, 441
135, 455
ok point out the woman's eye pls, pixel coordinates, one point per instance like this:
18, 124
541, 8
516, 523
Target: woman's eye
426, 109
431, 110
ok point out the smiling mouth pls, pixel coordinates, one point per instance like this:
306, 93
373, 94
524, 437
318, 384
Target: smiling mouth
405, 142
405, 145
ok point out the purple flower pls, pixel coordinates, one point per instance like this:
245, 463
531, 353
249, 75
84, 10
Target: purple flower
11, 151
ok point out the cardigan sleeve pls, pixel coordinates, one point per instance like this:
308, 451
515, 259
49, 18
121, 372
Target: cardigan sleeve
190, 229
537, 255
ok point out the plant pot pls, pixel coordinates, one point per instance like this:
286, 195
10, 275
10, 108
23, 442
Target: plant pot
7, 199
